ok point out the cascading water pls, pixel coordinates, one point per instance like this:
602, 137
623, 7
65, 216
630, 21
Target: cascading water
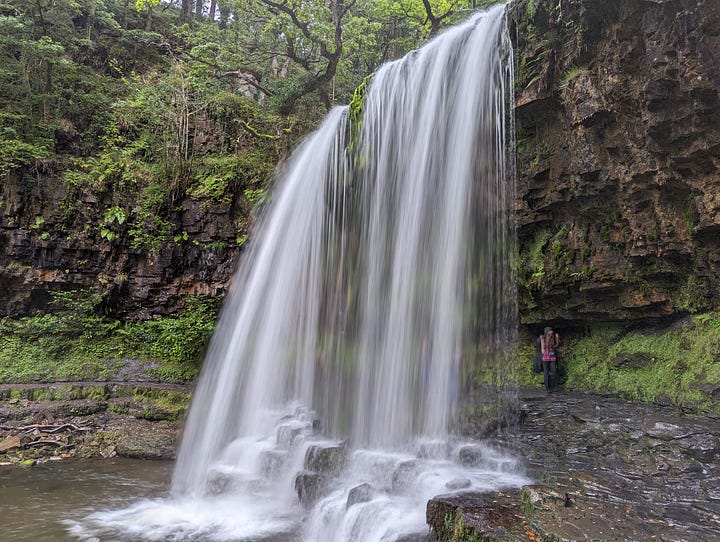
381, 269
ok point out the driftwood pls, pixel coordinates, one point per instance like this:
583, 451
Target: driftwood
49, 429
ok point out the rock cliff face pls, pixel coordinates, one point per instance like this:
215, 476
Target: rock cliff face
45, 248
618, 146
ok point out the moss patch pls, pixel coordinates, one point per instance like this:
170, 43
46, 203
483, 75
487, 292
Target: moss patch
679, 366
75, 344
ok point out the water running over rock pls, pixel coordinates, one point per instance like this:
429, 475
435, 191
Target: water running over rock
380, 271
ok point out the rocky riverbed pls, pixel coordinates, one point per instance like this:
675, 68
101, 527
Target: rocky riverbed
606, 469
52, 421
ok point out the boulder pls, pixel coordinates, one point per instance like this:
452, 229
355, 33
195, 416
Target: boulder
271, 461
307, 487
404, 475
324, 459
458, 483
9, 443
359, 494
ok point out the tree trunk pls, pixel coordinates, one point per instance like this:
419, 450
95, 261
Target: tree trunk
185, 10
211, 10
47, 90
149, 19
224, 16
199, 5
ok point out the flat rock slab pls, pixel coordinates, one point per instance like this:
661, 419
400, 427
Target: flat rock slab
495, 516
607, 469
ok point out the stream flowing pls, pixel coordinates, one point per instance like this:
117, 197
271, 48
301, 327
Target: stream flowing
377, 283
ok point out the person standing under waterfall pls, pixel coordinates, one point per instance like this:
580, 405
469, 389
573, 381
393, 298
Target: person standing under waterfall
549, 344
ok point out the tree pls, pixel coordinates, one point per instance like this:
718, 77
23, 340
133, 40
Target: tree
148, 6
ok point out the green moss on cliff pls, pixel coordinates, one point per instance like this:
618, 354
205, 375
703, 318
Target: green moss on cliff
680, 366
75, 343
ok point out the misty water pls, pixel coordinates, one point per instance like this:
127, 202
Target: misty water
376, 285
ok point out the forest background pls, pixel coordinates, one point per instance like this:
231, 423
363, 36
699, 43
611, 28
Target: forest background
114, 115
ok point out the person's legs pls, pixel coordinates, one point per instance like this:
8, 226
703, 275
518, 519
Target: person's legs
552, 375
546, 375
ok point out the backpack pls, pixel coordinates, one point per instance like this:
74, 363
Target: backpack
537, 363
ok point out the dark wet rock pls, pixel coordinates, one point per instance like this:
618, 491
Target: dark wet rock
325, 460
148, 441
404, 475
271, 461
703, 447
472, 456
458, 483
486, 516
359, 494
618, 145
86, 419
415, 537
541, 496
287, 435
9, 443
308, 486
72, 255
322, 463
665, 431
434, 450
487, 456
610, 470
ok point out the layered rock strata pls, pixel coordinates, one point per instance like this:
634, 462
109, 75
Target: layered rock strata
618, 146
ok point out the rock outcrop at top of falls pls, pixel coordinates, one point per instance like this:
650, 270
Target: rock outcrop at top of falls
618, 202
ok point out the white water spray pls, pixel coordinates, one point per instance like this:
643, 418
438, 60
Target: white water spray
379, 272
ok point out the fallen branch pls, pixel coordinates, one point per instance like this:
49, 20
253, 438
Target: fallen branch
50, 429
39, 443
63, 427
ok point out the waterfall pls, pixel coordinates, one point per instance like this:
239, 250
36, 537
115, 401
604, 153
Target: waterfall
377, 279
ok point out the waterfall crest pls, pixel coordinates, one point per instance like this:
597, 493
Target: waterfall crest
381, 267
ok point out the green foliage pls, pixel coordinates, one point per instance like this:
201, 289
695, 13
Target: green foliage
177, 342
144, 5
454, 530
98, 172
217, 246
571, 74
61, 345
532, 268
113, 215
16, 154
678, 366
671, 366
256, 197
149, 229
548, 260
553, 47
692, 296
74, 342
